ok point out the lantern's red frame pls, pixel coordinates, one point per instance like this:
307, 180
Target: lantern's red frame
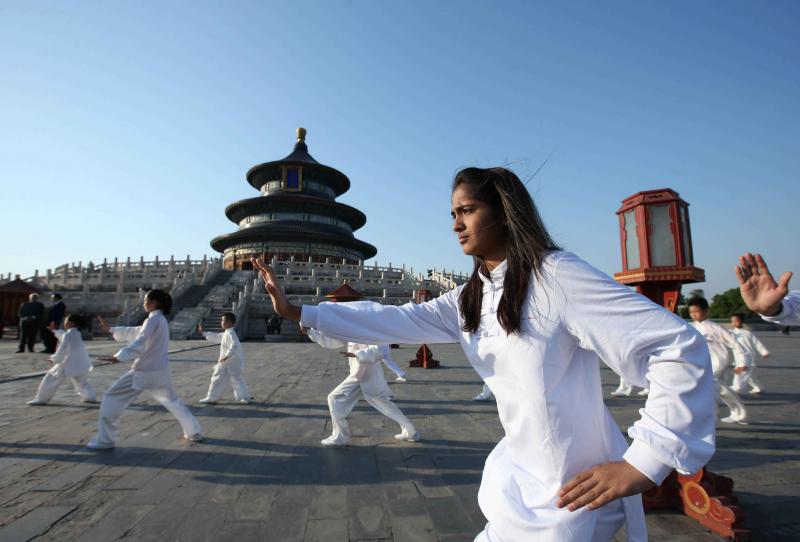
656, 242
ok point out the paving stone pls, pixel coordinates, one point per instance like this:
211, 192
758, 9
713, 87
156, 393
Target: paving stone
34, 523
262, 474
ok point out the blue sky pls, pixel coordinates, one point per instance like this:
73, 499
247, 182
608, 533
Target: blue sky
126, 128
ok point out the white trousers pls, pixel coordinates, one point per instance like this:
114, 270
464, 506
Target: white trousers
343, 399
220, 377
728, 396
122, 393
608, 524
747, 377
50, 383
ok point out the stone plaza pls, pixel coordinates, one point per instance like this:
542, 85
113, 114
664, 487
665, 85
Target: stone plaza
260, 473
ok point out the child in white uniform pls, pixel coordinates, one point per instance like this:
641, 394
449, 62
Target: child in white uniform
365, 380
150, 371
720, 343
534, 322
389, 361
69, 361
750, 346
230, 366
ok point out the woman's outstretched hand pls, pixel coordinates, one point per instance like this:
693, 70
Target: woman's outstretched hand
602, 484
279, 300
759, 290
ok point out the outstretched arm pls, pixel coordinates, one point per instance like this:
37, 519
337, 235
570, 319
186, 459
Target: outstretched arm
759, 290
366, 322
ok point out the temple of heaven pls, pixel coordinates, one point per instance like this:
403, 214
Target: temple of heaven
295, 215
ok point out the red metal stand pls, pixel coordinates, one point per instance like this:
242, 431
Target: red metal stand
424, 359
705, 497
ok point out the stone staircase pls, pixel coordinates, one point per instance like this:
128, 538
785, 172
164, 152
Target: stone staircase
196, 303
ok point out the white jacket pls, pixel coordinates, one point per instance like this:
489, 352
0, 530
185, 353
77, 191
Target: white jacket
230, 349
71, 358
547, 383
147, 350
364, 368
720, 343
749, 345
790, 311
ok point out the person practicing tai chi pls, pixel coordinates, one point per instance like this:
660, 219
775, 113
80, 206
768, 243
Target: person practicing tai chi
149, 344
772, 300
365, 380
70, 361
230, 366
720, 343
534, 322
750, 346
389, 361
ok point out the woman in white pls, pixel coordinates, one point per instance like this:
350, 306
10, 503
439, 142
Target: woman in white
149, 344
365, 380
532, 321
70, 361
772, 300
230, 364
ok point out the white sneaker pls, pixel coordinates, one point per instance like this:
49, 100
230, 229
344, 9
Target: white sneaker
731, 419
197, 437
755, 391
400, 379
244, 401
617, 393
207, 401
94, 445
404, 435
34, 402
481, 398
644, 393
334, 441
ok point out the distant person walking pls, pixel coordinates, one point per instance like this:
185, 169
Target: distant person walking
30, 315
55, 314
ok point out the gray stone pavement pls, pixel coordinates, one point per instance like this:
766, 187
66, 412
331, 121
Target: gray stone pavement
261, 474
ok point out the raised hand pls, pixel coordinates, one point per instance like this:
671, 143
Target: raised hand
759, 290
280, 302
602, 484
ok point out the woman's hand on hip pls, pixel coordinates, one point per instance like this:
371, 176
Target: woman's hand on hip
602, 484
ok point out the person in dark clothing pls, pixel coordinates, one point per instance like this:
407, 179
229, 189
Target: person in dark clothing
55, 313
30, 315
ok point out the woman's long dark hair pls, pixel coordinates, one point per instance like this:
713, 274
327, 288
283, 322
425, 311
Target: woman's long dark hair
528, 243
163, 299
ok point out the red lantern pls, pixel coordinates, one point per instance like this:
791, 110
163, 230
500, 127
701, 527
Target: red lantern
656, 244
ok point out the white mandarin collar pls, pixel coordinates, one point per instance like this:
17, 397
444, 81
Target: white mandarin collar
153, 313
496, 276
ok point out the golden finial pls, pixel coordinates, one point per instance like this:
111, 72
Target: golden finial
301, 134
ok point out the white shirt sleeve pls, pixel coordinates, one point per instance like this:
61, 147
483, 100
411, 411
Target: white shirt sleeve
124, 334
365, 322
213, 336
369, 355
136, 348
790, 311
324, 341
64, 346
645, 344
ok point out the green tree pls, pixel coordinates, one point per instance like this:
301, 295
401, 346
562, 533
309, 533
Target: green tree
727, 303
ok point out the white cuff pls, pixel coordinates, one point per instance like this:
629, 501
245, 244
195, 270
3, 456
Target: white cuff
309, 315
641, 458
122, 355
776, 318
